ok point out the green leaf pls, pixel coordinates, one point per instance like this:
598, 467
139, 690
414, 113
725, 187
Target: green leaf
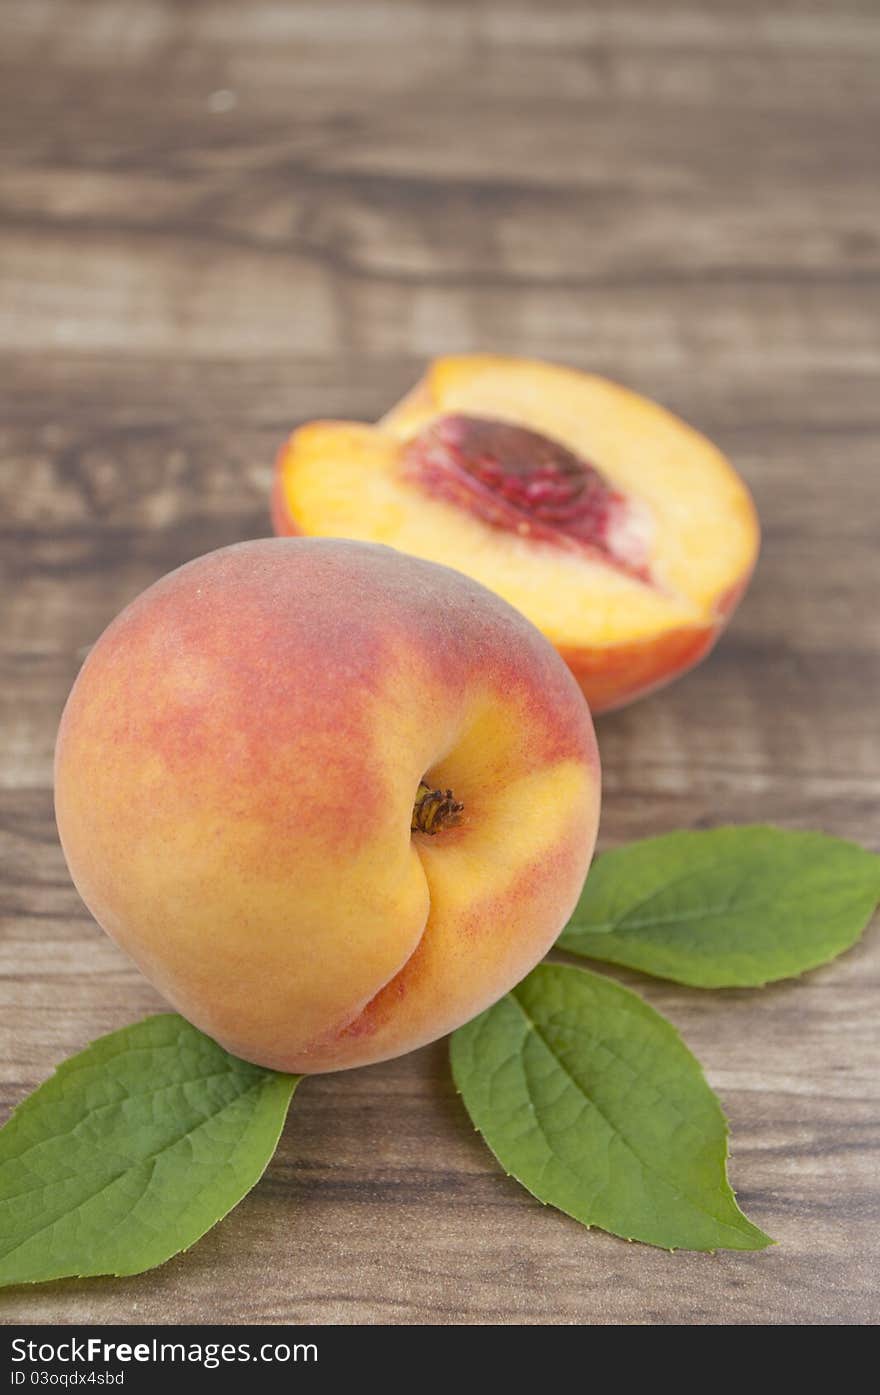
592, 1101
727, 908
131, 1151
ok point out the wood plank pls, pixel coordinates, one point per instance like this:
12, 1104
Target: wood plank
217, 221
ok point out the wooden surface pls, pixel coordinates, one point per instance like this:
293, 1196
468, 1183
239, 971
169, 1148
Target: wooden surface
219, 219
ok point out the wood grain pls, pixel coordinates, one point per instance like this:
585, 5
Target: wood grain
218, 220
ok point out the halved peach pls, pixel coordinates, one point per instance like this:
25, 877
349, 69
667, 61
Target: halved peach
618, 530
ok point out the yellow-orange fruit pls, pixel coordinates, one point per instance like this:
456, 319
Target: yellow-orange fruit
332, 799
619, 531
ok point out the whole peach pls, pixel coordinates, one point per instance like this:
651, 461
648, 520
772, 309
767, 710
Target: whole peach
333, 800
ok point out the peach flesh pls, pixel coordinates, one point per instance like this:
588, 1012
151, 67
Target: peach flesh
519, 480
628, 615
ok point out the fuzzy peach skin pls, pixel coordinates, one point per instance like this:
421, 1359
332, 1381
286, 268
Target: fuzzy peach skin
632, 589
236, 771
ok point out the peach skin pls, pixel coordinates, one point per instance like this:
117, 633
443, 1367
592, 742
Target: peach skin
332, 799
619, 531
